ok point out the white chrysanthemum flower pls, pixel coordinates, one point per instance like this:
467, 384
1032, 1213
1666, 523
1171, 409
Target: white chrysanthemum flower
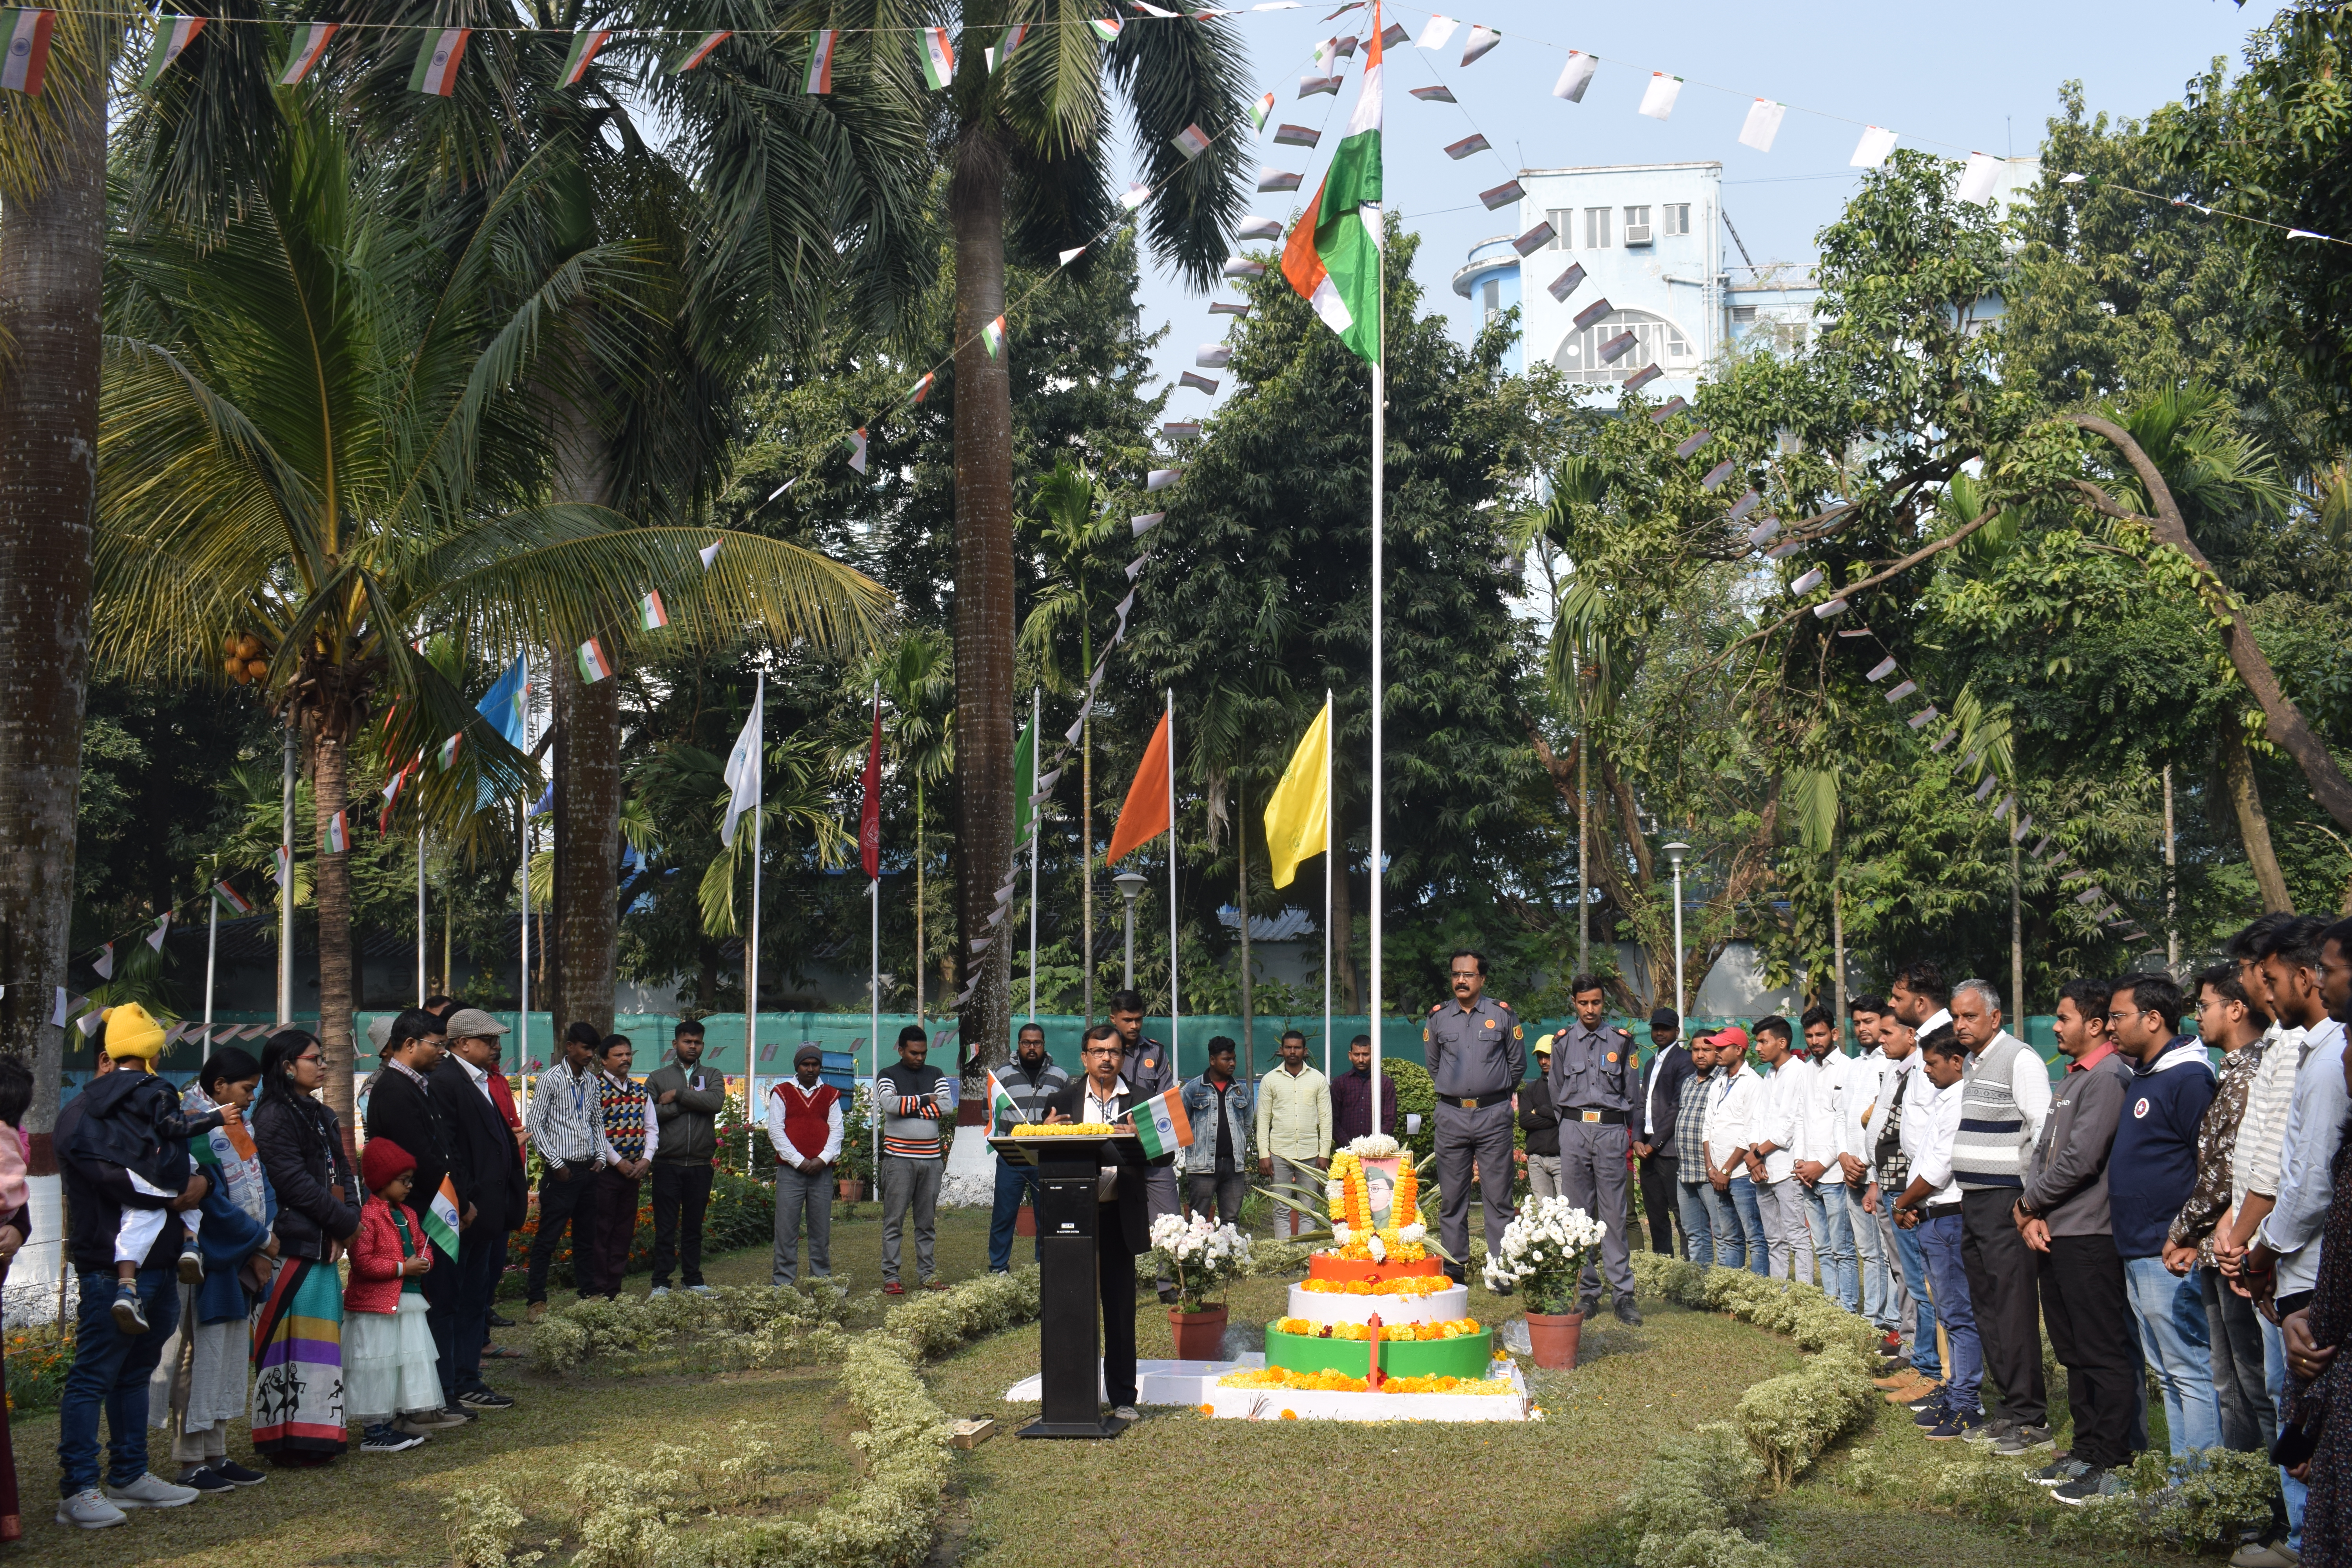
1377, 1247
1342, 1235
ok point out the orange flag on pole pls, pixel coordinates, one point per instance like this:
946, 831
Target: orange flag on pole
1144, 817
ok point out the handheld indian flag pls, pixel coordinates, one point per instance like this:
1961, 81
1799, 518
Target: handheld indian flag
441, 1216
701, 51
438, 58
1001, 1099
1160, 1124
25, 49
820, 66
1333, 258
237, 903
593, 666
939, 57
308, 53
338, 836
173, 35
992, 337
585, 44
651, 614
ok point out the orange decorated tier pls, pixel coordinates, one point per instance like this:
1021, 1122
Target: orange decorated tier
1326, 1265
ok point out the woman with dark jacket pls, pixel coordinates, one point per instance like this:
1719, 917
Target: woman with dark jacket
298, 1360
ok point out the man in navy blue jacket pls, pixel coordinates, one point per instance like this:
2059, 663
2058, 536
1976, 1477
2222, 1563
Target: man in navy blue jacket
2150, 1174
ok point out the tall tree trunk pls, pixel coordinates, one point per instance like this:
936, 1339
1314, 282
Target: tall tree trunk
984, 718
50, 245
2254, 824
586, 946
329, 776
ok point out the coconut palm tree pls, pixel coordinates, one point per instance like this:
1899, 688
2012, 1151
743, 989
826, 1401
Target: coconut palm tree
321, 434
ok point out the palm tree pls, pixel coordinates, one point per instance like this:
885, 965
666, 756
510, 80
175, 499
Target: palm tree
320, 435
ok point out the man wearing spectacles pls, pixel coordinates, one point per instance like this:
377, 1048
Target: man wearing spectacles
1476, 1057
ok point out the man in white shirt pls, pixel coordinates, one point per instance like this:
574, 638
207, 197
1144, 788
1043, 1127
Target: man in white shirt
1732, 1103
805, 1128
1775, 1137
1866, 1086
1932, 1204
1820, 1160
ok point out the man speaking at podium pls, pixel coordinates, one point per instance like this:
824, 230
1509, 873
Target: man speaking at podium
1123, 1225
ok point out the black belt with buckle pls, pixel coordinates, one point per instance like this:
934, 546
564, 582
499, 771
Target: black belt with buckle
1606, 1117
1472, 1101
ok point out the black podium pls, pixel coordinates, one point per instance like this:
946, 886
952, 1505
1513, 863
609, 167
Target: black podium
1069, 1340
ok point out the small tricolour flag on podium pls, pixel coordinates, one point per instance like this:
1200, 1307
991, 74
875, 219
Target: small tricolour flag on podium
1160, 1124
441, 1216
1001, 1099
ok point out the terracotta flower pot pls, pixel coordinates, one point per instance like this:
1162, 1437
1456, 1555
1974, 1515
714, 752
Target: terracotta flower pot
1554, 1336
851, 1189
1200, 1336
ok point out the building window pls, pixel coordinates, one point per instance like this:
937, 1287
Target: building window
1493, 292
1743, 314
1655, 340
1596, 229
1637, 225
1676, 216
1563, 227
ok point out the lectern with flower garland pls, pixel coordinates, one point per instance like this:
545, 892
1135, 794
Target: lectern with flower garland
1068, 1158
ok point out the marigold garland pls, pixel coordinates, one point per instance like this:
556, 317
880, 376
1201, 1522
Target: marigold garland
1063, 1130
1307, 1328
1329, 1382
1411, 1285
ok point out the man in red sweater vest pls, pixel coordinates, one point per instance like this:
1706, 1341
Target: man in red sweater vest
805, 1123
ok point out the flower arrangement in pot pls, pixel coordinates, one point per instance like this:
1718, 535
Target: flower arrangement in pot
1544, 1251
1202, 1257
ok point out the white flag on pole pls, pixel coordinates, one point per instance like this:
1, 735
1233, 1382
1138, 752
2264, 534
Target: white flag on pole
743, 765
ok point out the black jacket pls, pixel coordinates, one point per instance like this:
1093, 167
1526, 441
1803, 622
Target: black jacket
96, 1193
1665, 1098
1134, 1216
1539, 1118
301, 1148
408, 1114
485, 1147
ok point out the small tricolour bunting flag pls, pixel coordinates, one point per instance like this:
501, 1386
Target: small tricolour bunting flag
1503, 195
163, 929
593, 666
1393, 34
921, 389
585, 45
1474, 142
1242, 267
1107, 28
1213, 356
700, 51
1296, 135
1015, 37
1592, 312
1668, 409
1900, 692
1643, 377
1977, 181
1433, 94
1160, 478
1873, 149
1482, 41
438, 58
1259, 228
1160, 1125
173, 35
1717, 474
1192, 141
820, 66
1188, 429
308, 53
1617, 348
104, 962
1693, 442
1260, 111
1658, 98
1273, 179
1198, 382
1135, 195
1808, 583
1309, 85
992, 337
2008, 804
1575, 76
237, 903
1744, 505
1220, 308
338, 835
1145, 523
710, 552
449, 748
1762, 124
2017, 833
1436, 32
1783, 550
939, 57
1919, 720
1824, 611
652, 613
1534, 240
1881, 670
856, 440
25, 53
1561, 287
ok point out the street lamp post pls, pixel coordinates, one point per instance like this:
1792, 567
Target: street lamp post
1675, 852
1129, 884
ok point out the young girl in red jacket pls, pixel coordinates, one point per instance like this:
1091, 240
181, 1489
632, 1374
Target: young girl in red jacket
389, 1368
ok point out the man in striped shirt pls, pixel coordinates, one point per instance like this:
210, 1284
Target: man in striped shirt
567, 1125
1031, 1078
918, 1103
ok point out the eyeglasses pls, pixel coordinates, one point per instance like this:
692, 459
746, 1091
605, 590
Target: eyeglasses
2129, 1013
1103, 1051
1464, 973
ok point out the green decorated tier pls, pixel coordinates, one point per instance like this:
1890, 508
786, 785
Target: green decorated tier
1464, 1356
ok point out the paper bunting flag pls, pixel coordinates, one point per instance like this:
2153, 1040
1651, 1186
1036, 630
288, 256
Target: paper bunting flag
1242, 267
1561, 287
89, 1022
1763, 123
1474, 142
1693, 442
447, 758
1140, 526
2008, 804
1667, 410
1198, 382
1077, 728
1617, 348
1005, 894
2304, 234
1575, 76
1643, 377
586, 42
438, 58
1104, 28
992, 337
922, 388
1746, 504
1717, 474
1900, 692
1881, 670
1783, 550
237, 903
1259, 228
1977, 181
2039, 846
1824, 611
652, 613
1151, 10
58, 1009
1191, 141
1135, 567
1327, 57
25, 55
1761, 534
104, 962
339, 836
1128, 603
1011, 40
2089, 896
1045, 786
700, 51
1592, 312
173, 35
1309, 85
1917, 721
1219, 307
997, 916
1658, 98
1297, 136
1974, 757
173, 1034
1345, 48
1271, 180
1482, 41
856, 442
1134, 196
710, 552
2016, 834
939, 57
1160, 478
1213, 356
308, 53
1808, 583
1433, 94
980, 944
1873, 149
391, 800
1070, 255
1946, 738
1395, 37
820, 66
1534, 240
593, 666
1503, 195
1261, 112
1436, 32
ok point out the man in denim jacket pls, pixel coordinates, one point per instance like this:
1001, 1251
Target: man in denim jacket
1217, 1165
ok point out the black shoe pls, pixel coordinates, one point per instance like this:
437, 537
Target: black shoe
1627, 1313
459, 1410
1505, 1289
206, 1482
1587, 1306
482, 1396
235, 1474
1167, 1294
500, 1321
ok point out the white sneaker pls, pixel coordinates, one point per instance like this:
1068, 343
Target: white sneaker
89, 1510
702, 1289
657, 1291
152, 1490
1127, 1413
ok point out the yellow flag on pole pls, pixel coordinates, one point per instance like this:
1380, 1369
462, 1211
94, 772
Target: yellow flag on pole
1298, 813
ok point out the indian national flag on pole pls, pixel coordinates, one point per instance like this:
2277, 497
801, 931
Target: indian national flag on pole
25, 49
701, 51
1333, 258
1160, 1124
172, 35
939, 57
651, 614
593, 666
585, 44
308, 53
441, 1216
1001, 1099
436, 62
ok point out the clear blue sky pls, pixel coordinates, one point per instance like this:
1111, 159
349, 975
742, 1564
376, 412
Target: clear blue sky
1983, 78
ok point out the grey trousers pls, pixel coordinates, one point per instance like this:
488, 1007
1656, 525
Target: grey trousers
1543, 1175
910, 1183
1289, 1173
797, 1195
1218, 1196
1483, 1135
2249, 1420
1901, 1315
1592, 1177
1787, 1234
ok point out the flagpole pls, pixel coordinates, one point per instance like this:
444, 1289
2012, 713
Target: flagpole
1379, 464
211, 947
751, 985
420, 917
1175, 1028
286, 890
522, 1055
1330, 853
874, 983
1036, 713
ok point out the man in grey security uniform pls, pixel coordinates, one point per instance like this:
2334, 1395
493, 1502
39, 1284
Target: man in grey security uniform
1476, 1057
1592, 1081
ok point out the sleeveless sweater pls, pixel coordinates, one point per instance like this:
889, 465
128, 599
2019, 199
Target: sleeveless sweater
1989, 1149
625, 1118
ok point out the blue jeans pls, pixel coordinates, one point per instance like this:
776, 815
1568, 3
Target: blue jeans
2179, 1346
1875, 1287
1699, 1220
1939, 1240
1833, 1228
1912, 1254
1745, 1231
110, 1373
1011, 1182
2275, 1374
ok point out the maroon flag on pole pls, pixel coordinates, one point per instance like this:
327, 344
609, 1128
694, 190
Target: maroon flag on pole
869, 820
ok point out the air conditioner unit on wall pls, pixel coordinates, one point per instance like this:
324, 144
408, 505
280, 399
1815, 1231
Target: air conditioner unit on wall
1637, 234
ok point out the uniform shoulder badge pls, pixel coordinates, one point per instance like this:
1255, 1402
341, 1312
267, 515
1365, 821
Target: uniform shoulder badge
1517, 1033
